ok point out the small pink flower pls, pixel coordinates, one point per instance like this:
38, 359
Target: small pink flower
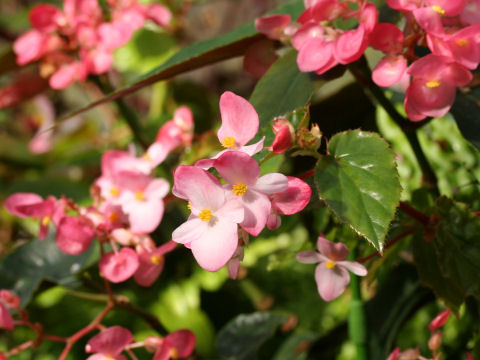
211, 231
176, 345
109, 344
9, 299
6, 320
151, 264
74, 235
119, 266
284, 136
331, 273
389, 70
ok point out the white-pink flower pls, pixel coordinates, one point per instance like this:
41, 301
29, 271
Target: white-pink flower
109, 344
211, 231
331, 274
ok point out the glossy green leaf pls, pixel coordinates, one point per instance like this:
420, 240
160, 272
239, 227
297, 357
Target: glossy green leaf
197, 55
358, 180
458, 247
26, 267
283, 89
243, 335
466, 112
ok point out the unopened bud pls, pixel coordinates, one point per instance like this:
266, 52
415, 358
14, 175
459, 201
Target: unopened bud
439, 320
435, 340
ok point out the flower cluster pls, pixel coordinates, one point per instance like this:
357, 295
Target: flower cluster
448, 28
128, 205
78, 41
247, 200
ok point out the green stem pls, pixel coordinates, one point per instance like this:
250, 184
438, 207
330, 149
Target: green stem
357, 321
362, 74
128, 114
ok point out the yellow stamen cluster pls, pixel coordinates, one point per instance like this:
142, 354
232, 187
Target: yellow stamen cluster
189, 206
461, 42
46, 220
330, 264
139, 196
228, 142
156, 259
239, 189
174, 353
147, 157
114, 191
433, 84
438, 9
205, 215
113, 217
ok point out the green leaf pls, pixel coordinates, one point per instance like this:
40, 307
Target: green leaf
25, 268
243, 335
197, 55
283, 89
466, 112
358, 180
431, 275
458, 247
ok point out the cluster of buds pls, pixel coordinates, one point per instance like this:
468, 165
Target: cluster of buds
448, 28
128, 205
112, 341
78, 41
223, 216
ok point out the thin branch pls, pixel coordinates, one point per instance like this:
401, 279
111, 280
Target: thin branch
390, 243
414, 213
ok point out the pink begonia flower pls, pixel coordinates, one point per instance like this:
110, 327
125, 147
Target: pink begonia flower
409, 354
471, 12
151, 264
45, 17
242, 173
351, 45
433, 88
239, 125
389, 70
74, 235
119, 266
6, 320
9, 299
32, 205
141, 199
289, 202
404, 5
305, 32
109, 344
331, 273
439, 320
211, 231
176, 345
273, 26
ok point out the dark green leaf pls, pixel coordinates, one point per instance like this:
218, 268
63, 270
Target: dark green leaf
458, 247
281, 90
430, 274
466, 112
358, 180
198, 55
25, 268
243, 335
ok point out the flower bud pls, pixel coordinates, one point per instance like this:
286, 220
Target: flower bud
435, 340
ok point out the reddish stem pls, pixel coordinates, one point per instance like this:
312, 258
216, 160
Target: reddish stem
390, 243
18, 349
414, 213
82, 332
307, 174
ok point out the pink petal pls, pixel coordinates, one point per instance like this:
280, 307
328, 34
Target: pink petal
387, 38
389, 70
74, 235
354, 267
231, 211
65, 76
351, 45
199, 187
110, 341
216, 246
434, 102
429, 20
144, 215
118, 267
29, 47
148, 269
274, 221
314, 54
333, 251
21, 199
239, 119
237, 167
294, 198
309, 257
44, 17
307, 31
271, 183
191, 230
439, 320
254, 148
272, 25
6, 320
183, 341
331, 283
159, 14
257, 210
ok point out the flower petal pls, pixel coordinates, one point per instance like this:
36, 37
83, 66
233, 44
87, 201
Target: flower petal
191, 230
334, 251
272, 183
354, 267
331, 283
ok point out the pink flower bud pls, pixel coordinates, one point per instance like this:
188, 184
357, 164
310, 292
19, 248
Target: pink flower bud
439, 320
435, 340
